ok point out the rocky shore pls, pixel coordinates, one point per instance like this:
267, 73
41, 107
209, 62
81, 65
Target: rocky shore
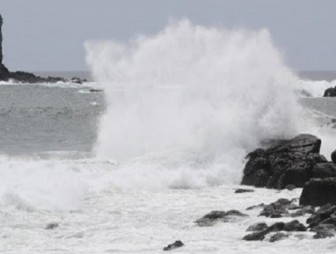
26, 77
286, 165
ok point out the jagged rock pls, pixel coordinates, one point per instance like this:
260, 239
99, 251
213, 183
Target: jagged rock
94, 90
257, 227
318, 192
76, 80
276, 209
215, 216
304, 210
324, 170
333, 156
330, 92
20, 76
260, 235
325, 212
51, 226
176, 244
262, 205
289, 162
294, 225
255, 236
277, 237
243, 191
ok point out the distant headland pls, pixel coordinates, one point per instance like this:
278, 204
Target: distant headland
27, 77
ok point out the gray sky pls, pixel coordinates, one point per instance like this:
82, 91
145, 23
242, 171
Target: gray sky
42, 35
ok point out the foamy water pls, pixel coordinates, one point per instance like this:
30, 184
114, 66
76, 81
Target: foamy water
130, 172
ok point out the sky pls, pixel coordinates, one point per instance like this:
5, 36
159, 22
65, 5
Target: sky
49, 35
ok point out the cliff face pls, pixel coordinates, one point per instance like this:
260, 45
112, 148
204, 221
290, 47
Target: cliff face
0, 40
4, 73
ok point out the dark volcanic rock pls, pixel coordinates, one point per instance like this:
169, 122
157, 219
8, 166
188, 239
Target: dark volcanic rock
318, 192
278, 236
51, 226
257, 227
289, 162
4, 73
324, 170
20, 76
333, 156
276, 227
262, 205
255, 236
325, 212
302, 211
176, 244
330, 92
294, 225
243, 191
215, 216
276, 209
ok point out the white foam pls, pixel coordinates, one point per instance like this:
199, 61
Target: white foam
192, 97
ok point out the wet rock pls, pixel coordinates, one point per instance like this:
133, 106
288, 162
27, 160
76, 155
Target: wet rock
257, 227
318, 192
51, 226
94, 90
294, 225
260, 235
256, 236
333, 156
287, 162
322, 214
276, 209
330, 92
76, 80
290, 187
261, 205
243, 190
278, 236
215, 216
304, 210
324, 170
175, 245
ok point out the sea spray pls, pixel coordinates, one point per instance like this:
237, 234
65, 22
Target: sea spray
191, 101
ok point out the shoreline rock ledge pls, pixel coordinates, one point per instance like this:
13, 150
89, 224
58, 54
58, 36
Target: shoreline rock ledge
25, 77
287, 162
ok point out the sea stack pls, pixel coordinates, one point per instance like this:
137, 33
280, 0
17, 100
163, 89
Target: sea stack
4, 73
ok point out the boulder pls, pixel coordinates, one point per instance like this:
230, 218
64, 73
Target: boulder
276, 209
51, 226
324, 170
286, 162
278, 236
215, 216
257, 227
318, 192
333, 156
243, 191
294, 225
330, 92
175, 245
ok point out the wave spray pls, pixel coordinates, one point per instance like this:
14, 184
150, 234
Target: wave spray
184, 106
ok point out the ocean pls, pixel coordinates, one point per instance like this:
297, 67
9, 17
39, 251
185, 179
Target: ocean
160, 142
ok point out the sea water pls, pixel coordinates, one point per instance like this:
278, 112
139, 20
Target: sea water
161, 141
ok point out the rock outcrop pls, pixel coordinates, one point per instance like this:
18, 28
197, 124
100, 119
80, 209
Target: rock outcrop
287, 162
319, 191
330, 92
4, 73
26, 77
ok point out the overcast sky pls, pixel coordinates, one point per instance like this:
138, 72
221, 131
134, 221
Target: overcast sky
43, 35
